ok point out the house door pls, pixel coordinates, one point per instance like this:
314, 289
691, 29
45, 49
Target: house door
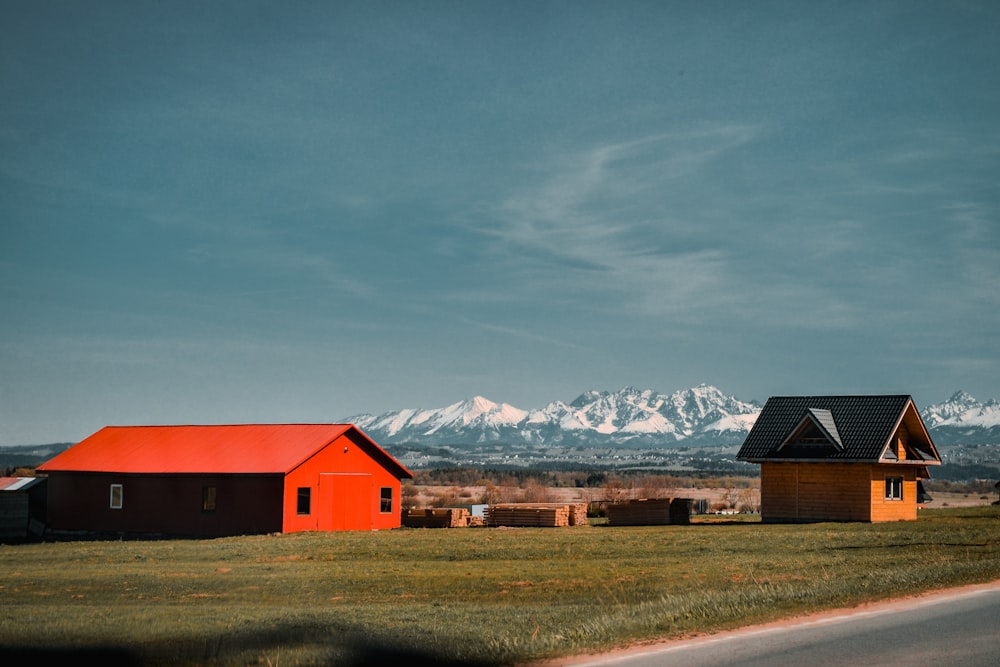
345, 501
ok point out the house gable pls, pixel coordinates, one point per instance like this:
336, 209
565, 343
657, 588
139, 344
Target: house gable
910, 441
813, 437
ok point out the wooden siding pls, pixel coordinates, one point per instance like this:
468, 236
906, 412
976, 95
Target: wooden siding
883, 509
901, 438
13, 514
835, 492
813, 492
164, 504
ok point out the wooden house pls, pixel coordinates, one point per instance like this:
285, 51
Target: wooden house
209, 481
840, 458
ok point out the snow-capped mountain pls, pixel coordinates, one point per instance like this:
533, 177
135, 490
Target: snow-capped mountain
963, 419
702, 415
630, 416
473, 420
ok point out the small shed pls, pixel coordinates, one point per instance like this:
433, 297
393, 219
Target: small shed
216, 480
840, 458
22, 506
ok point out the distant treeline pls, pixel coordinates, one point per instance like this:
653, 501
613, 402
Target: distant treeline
29, 456
960, 472
471, 476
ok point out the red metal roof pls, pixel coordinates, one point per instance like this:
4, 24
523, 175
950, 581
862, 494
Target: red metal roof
239, 448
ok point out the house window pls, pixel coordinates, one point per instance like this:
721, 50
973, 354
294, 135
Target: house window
893, 488
208, 499
117, 496
303, 506
385, 501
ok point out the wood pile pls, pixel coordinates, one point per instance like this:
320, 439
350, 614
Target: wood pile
437, 517
536, 514
649, 512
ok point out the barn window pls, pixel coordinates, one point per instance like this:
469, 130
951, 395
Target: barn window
385, 504
304, 500
208, 499
117, 496
893, 488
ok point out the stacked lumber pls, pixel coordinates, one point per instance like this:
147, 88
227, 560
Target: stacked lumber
536, 514
680, 510
527, 514
578, 514
436, 517
649, 512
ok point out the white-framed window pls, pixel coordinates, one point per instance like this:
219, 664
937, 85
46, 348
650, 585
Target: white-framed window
385, 500
893, 488
117, 496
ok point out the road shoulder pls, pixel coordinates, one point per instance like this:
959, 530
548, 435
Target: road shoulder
830, 615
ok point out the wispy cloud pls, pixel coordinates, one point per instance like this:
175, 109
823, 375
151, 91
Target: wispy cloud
603, 219
524, 334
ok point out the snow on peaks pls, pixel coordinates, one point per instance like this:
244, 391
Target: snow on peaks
701, 414
479, 410
627, 413
962, 409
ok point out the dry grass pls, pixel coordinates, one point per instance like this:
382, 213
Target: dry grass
465, 596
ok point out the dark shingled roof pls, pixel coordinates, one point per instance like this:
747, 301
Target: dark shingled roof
864, 423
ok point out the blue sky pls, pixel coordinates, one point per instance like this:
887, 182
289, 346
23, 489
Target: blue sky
216, 212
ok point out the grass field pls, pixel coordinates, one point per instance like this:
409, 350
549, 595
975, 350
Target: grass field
485, 596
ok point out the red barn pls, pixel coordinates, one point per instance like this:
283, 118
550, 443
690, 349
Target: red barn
210, 481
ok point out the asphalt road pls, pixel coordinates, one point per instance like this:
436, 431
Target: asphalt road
958, 628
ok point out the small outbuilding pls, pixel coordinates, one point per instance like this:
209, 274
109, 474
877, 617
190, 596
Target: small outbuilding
22, 506
217, 480
840, 458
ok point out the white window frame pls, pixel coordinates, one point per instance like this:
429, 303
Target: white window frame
116, 496
893, 488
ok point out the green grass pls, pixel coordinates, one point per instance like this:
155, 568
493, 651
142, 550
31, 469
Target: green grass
475, 596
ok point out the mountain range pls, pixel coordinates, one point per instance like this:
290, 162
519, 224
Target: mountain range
962, 419
701, 415
632, 417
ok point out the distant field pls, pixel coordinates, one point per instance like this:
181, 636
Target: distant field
487, 596
714, 494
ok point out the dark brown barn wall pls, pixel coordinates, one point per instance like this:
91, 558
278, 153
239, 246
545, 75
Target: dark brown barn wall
165, 504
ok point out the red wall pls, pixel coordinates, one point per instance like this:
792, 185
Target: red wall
345, 483
165, 504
